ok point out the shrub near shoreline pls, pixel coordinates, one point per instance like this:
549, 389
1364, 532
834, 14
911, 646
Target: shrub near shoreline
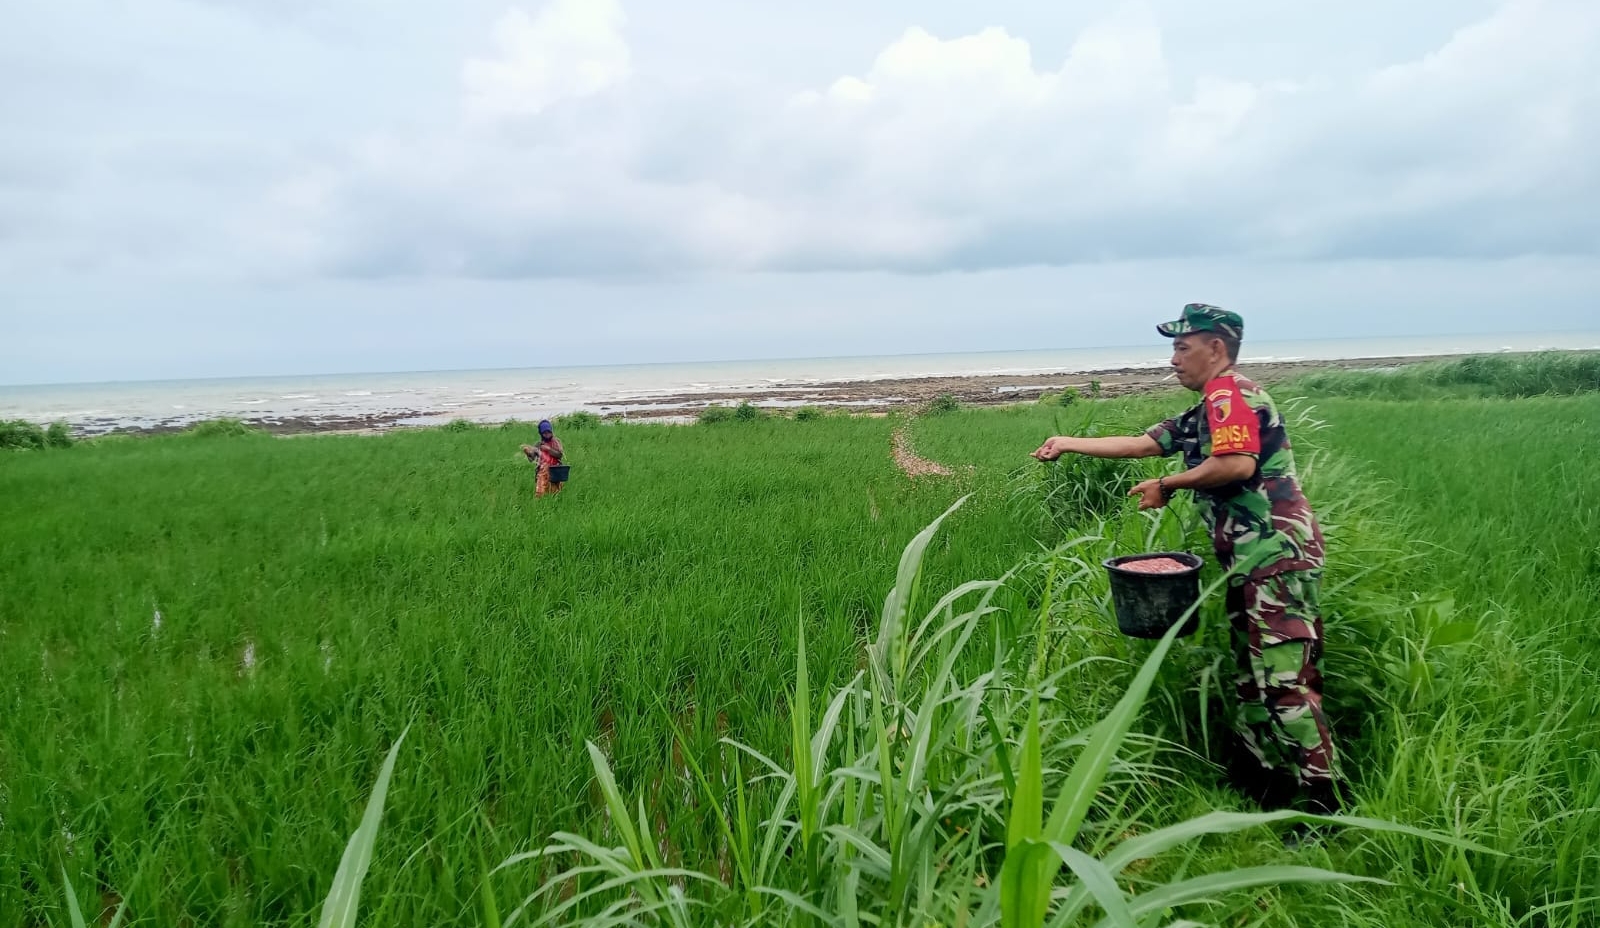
1543, 374
22, 435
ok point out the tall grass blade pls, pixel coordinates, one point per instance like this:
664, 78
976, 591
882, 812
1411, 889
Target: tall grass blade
897, 605
1099, 882
1216, 823
491, 909
1002, 757
1211, 885
798, 903
74, 913
1025, 880
344, 897
1026, 822
805, 765
618, 808
1144, 847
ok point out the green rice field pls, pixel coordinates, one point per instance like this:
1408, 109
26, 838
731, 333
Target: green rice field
718, 681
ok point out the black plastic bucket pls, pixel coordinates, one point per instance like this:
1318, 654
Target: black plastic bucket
1149, 604
558, 472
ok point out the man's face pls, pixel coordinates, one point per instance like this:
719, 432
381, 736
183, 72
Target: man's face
547, 434
1196, 358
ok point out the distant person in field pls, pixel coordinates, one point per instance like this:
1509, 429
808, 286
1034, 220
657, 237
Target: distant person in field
1241, 470
547, 454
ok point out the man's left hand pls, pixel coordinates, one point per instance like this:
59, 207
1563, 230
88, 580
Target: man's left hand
1150, 495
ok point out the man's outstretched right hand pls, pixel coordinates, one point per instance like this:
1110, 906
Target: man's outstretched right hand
1052, 448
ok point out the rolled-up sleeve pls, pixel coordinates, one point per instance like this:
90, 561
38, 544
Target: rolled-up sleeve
1165, 434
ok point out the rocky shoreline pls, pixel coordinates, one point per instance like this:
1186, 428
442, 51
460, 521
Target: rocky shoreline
862, 396
978, 390
273, 425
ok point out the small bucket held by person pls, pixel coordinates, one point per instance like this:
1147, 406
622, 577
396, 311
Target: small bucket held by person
1153, 592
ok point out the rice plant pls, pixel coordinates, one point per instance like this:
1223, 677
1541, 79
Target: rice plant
1077, 489
917, 795
209, 647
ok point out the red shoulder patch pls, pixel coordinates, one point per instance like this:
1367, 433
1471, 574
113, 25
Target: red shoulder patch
1234, 429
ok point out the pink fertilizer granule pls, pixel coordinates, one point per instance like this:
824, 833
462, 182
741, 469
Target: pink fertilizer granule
1155, 565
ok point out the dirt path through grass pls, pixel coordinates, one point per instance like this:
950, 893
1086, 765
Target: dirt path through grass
909, 462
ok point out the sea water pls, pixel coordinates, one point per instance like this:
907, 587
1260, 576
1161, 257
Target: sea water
423, 397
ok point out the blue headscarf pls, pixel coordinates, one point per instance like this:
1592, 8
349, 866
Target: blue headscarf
544, 426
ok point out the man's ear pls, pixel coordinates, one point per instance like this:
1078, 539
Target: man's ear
1219, 349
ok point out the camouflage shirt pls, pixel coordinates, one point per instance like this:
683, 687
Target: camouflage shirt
1262, 524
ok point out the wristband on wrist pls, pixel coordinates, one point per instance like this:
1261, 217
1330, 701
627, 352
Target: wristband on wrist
1161, 483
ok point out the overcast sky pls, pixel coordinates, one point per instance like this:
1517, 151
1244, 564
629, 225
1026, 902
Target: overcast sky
220, 187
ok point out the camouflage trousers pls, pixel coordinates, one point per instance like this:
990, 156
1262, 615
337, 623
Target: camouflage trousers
1277, 639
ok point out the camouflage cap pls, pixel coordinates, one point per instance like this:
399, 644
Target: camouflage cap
1203, 317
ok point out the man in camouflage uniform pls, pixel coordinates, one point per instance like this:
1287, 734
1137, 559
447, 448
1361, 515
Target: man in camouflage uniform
1240, 467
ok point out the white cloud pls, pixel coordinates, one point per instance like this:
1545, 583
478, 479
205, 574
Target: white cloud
479, 154
965, 151
991, 63
571, 49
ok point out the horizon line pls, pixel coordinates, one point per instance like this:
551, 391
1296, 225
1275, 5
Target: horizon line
733, 360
